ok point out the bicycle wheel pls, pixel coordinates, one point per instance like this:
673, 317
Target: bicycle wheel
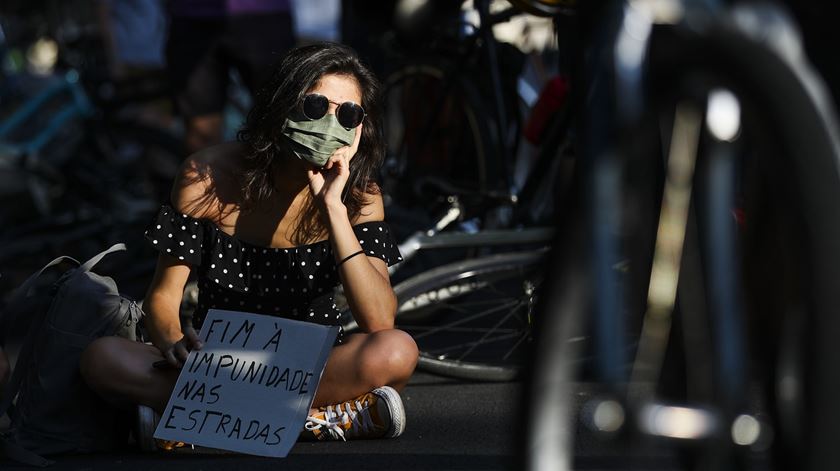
437, 137
471, 319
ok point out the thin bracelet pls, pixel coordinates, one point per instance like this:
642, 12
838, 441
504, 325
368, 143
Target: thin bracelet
349, 257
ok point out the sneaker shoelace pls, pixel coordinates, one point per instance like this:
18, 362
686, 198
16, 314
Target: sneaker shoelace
336, 420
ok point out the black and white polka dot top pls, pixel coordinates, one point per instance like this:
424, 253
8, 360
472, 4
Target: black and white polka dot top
296, 283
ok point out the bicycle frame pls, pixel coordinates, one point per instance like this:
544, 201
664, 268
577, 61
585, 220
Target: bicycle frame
481, 37
78, 107
486, 33
432, 238
623, 46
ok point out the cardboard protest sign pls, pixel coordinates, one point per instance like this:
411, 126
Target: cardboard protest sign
250, 387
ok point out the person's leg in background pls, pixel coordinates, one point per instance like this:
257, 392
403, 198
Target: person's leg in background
199, 78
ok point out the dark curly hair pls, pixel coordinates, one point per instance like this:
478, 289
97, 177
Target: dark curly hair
298, 72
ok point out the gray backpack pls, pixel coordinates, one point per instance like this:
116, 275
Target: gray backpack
47, 324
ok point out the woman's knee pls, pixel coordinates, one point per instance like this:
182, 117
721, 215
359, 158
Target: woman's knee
100, 363
390, 356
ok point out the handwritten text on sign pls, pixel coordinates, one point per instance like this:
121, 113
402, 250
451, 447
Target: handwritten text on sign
250, 387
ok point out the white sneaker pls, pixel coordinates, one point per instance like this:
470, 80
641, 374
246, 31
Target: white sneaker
376, 414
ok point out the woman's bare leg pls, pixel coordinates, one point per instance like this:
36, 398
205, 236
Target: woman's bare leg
364, 362
121, 371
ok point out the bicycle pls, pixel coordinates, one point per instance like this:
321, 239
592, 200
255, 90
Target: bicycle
452, 117
712, 203
472, 318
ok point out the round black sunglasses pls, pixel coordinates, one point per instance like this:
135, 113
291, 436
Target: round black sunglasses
348, 113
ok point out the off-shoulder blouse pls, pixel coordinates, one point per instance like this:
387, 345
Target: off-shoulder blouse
296, 283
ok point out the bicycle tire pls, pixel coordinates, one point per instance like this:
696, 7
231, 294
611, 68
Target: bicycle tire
437, 308
812, 144
436, 129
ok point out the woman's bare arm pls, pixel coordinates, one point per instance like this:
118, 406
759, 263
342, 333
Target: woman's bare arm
163, 301
367, 285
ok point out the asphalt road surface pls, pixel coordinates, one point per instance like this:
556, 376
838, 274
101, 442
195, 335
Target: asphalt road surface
451, 425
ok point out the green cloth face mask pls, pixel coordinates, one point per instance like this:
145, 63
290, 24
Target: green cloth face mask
316, 140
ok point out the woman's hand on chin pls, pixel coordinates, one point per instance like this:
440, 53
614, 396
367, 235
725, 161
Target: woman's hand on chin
327, 182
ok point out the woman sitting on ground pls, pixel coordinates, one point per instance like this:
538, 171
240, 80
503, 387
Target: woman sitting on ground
271, 224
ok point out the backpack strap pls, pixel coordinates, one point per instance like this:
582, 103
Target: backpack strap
98, 257
30, 282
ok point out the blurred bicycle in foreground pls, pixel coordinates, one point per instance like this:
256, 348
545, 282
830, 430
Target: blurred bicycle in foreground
692, 304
